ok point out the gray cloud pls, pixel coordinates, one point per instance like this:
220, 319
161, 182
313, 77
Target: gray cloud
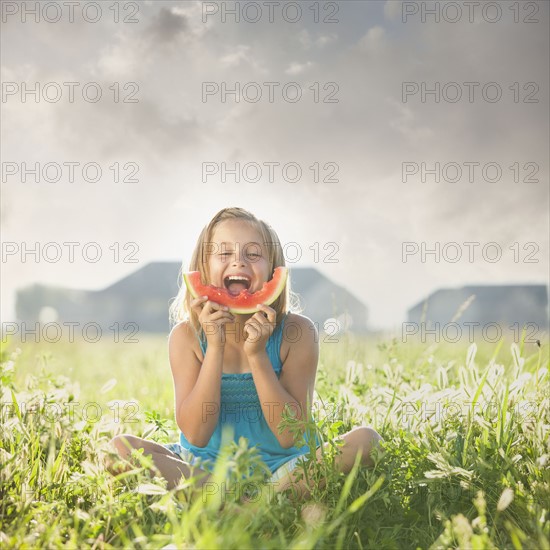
166, 25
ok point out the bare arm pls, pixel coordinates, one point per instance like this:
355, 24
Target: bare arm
197, 387
296, 384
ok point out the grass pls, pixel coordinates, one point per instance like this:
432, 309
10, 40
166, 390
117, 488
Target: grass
465, 460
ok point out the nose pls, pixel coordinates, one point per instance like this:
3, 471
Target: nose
238, 257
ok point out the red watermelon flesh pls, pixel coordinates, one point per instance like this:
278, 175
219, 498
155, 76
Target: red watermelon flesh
236, 297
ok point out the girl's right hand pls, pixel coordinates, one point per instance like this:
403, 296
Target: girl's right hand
213, 317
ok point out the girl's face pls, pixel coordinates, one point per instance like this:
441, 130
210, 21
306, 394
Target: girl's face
237, 258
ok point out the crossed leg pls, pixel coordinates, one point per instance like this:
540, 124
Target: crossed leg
360, 439
167, 463
172, 468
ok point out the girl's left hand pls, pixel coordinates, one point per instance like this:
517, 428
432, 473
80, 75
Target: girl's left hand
258, 329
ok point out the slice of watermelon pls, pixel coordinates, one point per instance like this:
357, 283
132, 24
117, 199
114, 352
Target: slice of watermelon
244, 302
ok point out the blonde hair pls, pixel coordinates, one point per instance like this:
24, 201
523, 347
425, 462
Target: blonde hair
180, 308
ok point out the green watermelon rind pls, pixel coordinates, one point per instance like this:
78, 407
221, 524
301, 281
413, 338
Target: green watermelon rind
253, 308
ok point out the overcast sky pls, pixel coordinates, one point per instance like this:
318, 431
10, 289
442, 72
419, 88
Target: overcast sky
171, 130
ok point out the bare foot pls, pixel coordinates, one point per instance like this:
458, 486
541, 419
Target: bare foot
314, 514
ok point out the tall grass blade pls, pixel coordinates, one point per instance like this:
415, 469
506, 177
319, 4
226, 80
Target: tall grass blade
471, 415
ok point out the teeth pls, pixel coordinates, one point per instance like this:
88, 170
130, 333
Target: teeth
237, 279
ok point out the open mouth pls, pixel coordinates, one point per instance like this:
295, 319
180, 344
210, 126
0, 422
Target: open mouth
235, 284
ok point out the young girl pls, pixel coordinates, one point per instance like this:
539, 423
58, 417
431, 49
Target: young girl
240, 370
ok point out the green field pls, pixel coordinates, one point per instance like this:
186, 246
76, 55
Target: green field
465, 461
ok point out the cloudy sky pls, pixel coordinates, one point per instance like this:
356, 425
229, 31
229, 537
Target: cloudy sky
349, 60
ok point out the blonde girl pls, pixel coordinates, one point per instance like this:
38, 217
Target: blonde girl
241, 370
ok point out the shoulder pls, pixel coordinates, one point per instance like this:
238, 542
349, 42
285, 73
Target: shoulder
181, 331
183, 337
302, 358
299, 335
300, 323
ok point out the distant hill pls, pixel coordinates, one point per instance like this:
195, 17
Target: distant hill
505, 305
143, 297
